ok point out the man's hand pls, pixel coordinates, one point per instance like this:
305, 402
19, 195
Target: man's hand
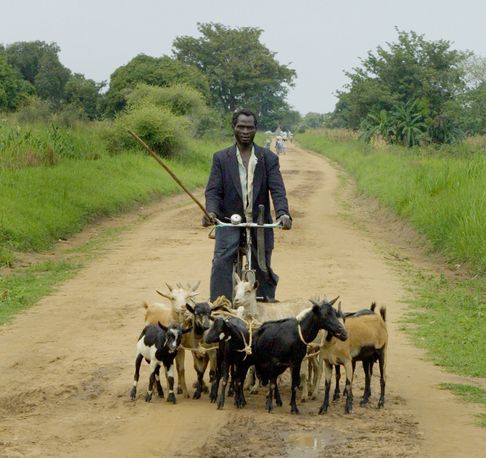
286, 222
209, 221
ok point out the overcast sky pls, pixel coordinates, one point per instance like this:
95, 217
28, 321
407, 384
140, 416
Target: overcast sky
320, 39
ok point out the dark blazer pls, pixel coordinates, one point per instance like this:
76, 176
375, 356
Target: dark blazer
223, 191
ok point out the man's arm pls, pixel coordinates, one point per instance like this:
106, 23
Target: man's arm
277, 190
214, 189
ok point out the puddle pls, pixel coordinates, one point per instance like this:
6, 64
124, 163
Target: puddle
309, 444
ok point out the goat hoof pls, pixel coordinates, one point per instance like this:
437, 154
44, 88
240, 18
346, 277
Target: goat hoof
179, 390
294, 411
381, 404
196, 395
133, 394
363, 402
171, 398
322, 410
220, 405
148, 397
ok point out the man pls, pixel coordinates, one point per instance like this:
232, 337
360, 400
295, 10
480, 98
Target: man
243, 177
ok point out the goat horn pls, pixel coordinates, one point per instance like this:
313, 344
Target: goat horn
334, 300
179, 285
170, 287
196, 285
164, 295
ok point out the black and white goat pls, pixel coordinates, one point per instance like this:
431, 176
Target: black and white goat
158, 345
282, 344
233, 355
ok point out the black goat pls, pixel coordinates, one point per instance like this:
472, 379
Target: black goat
282, 344
158, 345
233, 337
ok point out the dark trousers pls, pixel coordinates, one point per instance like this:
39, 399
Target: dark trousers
226, 247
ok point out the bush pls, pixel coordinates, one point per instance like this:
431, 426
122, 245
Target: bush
163, 131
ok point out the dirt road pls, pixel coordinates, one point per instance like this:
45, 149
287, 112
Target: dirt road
66, 365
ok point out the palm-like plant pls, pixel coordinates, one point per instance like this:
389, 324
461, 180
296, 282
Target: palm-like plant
409, 123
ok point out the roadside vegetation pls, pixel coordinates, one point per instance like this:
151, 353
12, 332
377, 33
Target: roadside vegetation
441, 193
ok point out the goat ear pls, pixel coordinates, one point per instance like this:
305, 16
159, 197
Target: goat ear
211, 318
185, 331
188, 307
313, 302
161, 326
334, 300
167, 296
170, 287
193, 294
256, 284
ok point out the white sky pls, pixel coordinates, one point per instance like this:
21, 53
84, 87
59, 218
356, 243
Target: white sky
319, 38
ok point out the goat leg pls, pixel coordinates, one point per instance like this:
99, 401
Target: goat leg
327, 387
133, 391
382, 362
170, 373
153, 368
348, 407
367, 388
295, 385
158, 385
225, 383
337, 390
271, 387
181, 373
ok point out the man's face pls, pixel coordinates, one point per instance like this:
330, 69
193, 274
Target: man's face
245, 129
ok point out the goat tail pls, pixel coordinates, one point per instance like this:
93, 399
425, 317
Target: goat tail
373, 306
383, 312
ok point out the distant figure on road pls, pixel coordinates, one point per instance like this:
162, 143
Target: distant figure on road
279, 146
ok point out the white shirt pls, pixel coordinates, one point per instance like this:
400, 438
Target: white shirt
246, 179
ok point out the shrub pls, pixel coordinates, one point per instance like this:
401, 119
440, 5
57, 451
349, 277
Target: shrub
163, 131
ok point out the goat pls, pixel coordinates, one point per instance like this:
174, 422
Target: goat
282, 344
201, 315
175, 312
232, 355
158, 345
367, 342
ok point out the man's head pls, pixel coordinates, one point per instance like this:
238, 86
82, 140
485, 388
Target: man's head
244, 126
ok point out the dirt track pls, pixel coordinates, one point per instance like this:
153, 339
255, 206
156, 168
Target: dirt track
67, 364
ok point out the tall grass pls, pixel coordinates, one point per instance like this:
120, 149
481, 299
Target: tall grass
42, 201
443, 194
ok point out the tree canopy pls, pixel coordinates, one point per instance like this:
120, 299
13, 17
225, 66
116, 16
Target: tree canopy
241, 71
156, 71
413, 79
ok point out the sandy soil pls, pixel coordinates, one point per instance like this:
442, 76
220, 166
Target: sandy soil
66, 364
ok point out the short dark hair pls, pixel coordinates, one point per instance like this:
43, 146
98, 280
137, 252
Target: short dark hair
245, 112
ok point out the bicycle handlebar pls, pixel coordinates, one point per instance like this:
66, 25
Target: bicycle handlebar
277, 224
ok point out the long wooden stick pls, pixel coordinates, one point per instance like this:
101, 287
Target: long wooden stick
169, 171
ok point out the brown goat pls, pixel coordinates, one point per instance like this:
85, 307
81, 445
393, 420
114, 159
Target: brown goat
367, 342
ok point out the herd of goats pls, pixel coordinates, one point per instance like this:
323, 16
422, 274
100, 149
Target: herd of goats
243, 352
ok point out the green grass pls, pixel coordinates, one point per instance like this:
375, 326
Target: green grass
25, 288
442, 193
469, 393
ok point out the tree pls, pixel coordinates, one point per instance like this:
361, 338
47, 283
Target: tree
163, 71
411, 69
38, 63
241, 71
13, 89
83, 94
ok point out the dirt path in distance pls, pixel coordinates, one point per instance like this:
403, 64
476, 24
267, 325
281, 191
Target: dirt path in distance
66, 364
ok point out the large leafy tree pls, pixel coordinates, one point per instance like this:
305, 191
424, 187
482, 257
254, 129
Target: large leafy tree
13, 89
83, 94
38, 63
240, 69
411, 72
156, 71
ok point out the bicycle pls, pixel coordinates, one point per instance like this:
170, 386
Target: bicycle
243, 262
